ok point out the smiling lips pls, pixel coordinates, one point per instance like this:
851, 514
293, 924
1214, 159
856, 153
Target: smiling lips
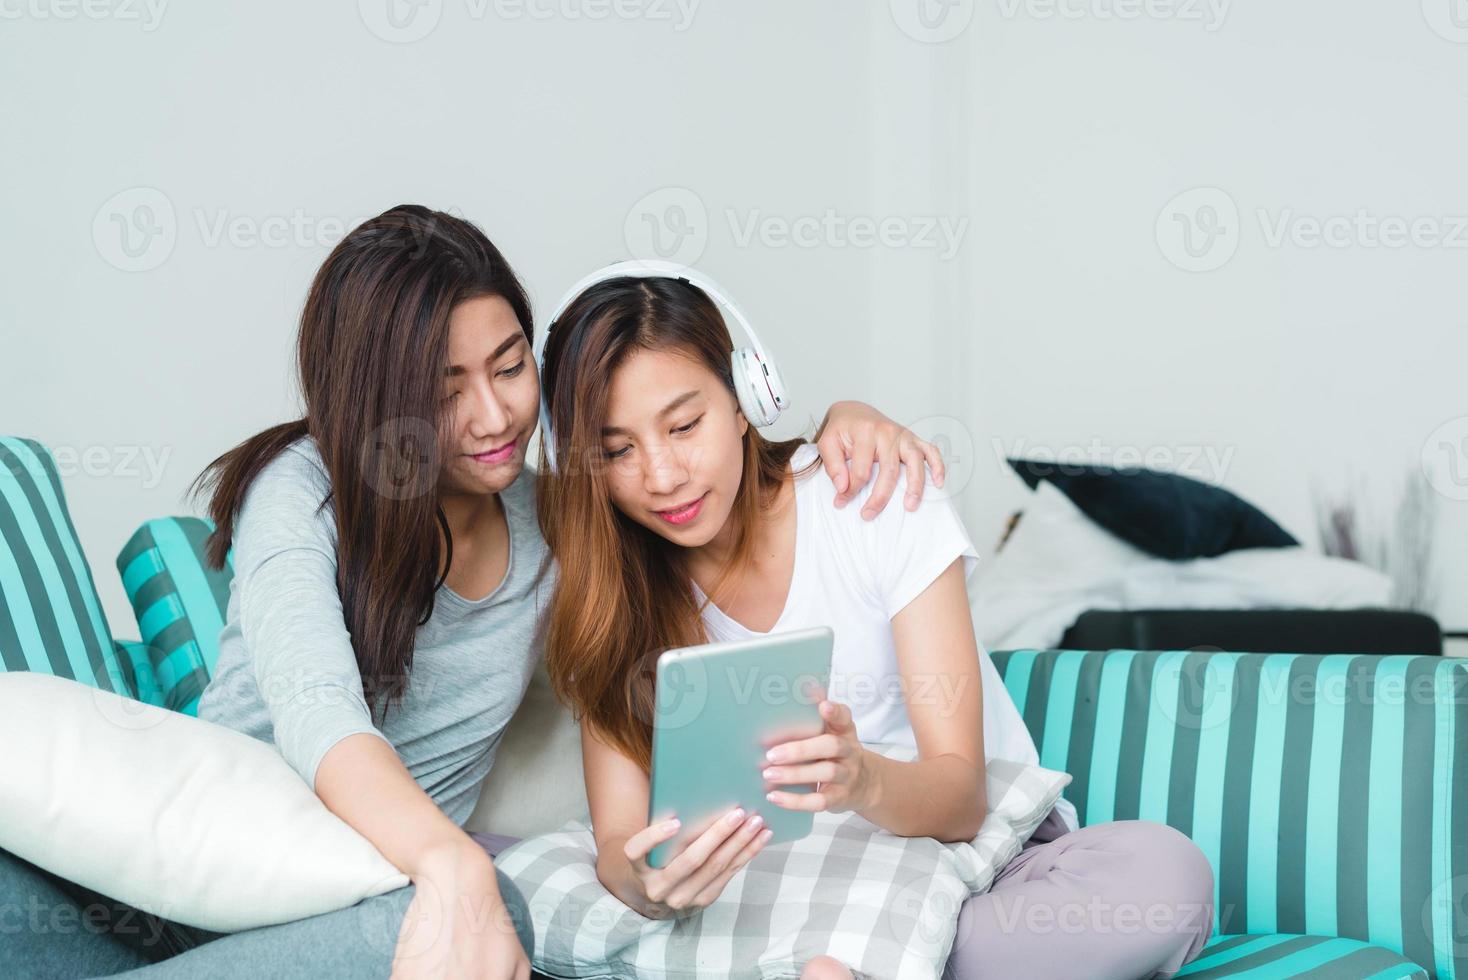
683, 514
496, 455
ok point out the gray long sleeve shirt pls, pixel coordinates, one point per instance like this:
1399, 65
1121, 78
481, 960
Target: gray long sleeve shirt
287, 673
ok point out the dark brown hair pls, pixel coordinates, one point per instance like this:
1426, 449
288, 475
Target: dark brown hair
624, 594
372, 351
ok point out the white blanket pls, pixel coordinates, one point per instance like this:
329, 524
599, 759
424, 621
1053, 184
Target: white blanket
1058, 564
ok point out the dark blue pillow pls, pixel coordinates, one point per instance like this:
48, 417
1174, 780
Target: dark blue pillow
1164, 514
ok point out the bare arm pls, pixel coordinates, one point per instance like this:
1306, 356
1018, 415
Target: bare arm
362, 780
942, 793
617, 792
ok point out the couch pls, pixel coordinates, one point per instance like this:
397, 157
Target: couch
1330, 792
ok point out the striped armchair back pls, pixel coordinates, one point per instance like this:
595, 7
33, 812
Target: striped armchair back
1330, 793
51, 619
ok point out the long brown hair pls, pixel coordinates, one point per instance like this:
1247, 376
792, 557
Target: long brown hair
624, 594
371, 353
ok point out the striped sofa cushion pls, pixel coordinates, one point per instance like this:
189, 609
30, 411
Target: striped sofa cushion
180, 604
51, 620
1307, 957
1330, 793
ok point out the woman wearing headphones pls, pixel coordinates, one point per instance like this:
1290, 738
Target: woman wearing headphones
389, 580
675, 523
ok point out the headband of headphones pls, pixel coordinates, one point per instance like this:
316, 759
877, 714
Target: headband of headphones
651, 269
757, 380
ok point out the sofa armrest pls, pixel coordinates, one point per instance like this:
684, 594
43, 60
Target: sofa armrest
1330, 792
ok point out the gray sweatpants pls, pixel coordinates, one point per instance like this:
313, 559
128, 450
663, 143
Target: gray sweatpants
1126, 900
54, 929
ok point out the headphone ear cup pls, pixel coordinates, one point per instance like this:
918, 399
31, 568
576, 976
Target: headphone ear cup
775, 384
755, 398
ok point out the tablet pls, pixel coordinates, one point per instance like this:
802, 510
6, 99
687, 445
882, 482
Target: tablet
719, 708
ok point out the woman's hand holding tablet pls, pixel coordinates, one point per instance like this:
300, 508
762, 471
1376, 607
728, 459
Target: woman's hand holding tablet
719, 708
692, 880
844, 771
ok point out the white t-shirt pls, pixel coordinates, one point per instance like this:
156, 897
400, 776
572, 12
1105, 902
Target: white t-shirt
854, 576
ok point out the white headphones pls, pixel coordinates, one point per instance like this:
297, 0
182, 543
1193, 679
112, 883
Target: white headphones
757, 381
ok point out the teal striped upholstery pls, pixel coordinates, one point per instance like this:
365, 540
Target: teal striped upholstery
1330, 793
137, 664
51, 620
1313, 957
180, 604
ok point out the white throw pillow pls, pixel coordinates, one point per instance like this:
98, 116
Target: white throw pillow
183, 818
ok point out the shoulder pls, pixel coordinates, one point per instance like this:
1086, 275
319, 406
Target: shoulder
296, 468
812, 482
816, 487
287, 494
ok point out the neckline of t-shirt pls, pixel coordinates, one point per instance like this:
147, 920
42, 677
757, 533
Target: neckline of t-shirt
801, 519
504, 581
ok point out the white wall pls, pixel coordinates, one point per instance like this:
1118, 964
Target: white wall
547, 132
1297, 366
1048, 147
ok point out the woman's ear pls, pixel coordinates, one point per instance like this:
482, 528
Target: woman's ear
743, 422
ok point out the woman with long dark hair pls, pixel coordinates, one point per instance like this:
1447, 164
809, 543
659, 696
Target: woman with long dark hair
382, 624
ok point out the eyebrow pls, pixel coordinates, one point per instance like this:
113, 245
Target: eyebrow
454, 370
668, 409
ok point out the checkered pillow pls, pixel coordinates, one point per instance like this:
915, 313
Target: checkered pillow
884, 905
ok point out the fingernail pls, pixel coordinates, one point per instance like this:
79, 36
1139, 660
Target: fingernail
774, 755
737, 815
772, 797
765, 835
671, 825
771, 773
756, 820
